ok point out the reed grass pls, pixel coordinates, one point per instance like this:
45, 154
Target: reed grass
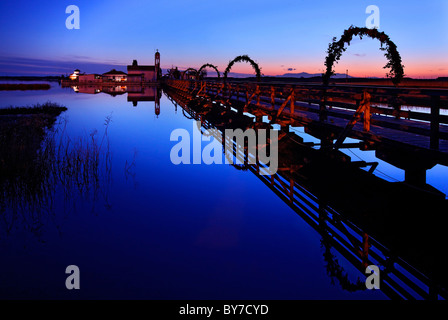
39, 163
48, 108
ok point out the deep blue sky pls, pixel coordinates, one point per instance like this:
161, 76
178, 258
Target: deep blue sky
279, 35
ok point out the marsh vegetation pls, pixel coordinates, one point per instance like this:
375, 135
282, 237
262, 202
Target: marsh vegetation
40, 164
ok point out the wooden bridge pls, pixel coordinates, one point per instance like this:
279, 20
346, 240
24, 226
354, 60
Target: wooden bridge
380, 117
337, 210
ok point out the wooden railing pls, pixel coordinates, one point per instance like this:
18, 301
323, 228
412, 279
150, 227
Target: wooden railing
384, 104
401, 281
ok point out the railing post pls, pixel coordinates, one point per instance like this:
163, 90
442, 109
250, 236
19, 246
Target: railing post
258, 95
395, 105
435, 113
293, 101
366, 121
272, 97
397, 110
322, 106
365, 250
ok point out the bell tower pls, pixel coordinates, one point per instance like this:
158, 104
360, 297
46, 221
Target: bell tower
157, 65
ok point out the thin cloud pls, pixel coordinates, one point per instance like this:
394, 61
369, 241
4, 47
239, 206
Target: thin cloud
22, 66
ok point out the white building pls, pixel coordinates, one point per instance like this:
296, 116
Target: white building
114, 76
74, 76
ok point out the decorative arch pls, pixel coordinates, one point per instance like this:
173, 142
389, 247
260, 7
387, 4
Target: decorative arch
336, 48
190, 69
244, 58
210, 66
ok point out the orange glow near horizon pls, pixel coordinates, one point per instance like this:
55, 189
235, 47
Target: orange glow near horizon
374, 68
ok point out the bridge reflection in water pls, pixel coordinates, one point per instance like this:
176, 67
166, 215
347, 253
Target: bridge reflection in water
368, 220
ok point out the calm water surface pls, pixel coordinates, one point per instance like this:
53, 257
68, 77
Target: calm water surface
161, 231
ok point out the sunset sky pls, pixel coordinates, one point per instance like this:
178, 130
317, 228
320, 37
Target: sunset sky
282, 36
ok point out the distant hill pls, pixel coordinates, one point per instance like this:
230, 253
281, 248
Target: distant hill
311, 75
287, 75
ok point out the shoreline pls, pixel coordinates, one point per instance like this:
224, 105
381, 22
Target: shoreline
23, 86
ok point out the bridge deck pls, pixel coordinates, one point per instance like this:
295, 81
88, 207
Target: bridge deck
421, 132
390, 129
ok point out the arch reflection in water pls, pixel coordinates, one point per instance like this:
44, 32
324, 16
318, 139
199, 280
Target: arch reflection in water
368, 220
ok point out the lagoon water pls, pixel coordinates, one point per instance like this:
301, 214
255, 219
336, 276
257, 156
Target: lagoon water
156, 230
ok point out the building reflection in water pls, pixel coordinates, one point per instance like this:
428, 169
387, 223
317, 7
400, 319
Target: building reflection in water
366, 219
135, 93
